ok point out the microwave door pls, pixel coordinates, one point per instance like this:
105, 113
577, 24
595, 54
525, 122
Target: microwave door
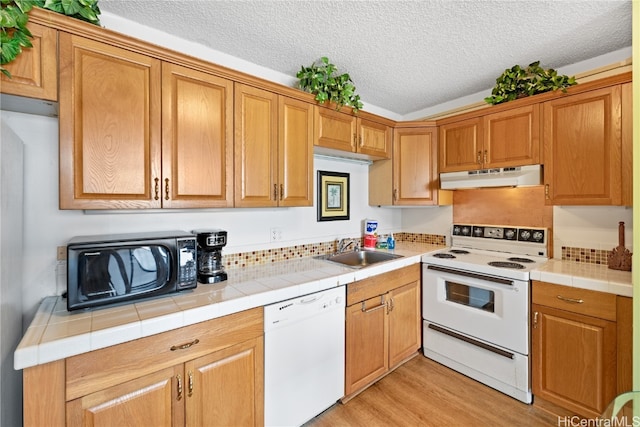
101, 279
148, 268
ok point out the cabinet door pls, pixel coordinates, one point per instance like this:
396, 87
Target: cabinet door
256, 147
226, 388
405, 322
374, 139
573, 360
34, 73
335, 130
152, 400
415, 176
461, 146
366, 343
627, 144
197, 139
109, 126
295, 152
512, 137
582, 148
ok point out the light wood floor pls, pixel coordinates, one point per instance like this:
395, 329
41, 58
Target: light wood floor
424, 393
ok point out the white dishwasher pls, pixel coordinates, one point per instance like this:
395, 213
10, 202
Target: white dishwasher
303, 356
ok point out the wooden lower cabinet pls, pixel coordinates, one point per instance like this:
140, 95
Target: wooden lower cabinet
382, 325
210, 373
580, 349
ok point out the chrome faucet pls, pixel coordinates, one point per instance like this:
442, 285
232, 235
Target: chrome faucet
343, 244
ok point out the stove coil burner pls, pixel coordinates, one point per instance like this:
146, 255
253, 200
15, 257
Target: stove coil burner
504, 264
441, 255
459, 251
517, 259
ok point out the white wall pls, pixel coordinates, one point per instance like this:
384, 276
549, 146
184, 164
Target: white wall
47, 227
11, 178
593, 227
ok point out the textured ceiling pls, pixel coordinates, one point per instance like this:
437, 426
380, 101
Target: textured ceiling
403, 56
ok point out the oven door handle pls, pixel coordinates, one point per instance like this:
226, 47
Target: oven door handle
472, 275
477, 343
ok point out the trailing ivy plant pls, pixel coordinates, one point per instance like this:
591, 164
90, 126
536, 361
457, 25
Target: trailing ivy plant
321, 79
14, 34
517, 82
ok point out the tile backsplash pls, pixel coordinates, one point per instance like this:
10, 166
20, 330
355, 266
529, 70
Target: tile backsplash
585, 255
248, 259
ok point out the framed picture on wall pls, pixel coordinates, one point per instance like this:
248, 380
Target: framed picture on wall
333, 196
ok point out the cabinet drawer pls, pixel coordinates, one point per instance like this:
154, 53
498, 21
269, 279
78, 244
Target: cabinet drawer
99, 369
381, 284
582, 301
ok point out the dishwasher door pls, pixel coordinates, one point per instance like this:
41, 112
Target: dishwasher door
303, 356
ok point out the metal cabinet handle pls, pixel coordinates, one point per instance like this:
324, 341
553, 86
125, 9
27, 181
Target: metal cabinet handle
478, 158
485, 157
275, 191
190, 384
156, 189
395, 194
546, 191
390, 305
535, 320
184, 346
281, 191
179, 378
166, 188
571, 300
377, 307
361, 141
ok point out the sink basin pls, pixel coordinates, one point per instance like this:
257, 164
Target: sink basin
360, 259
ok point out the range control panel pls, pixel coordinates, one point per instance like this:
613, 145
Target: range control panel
521, 234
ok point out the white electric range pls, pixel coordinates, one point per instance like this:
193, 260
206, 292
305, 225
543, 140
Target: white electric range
476, 299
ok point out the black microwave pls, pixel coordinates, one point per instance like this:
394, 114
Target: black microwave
113, 268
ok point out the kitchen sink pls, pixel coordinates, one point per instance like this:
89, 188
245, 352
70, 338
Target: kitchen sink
359, 259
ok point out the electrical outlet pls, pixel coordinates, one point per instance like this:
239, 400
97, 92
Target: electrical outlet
276, 234
61, 254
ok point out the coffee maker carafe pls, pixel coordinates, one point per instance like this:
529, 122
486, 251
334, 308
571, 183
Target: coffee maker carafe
210, 243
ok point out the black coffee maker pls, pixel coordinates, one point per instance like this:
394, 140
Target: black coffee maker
210, 243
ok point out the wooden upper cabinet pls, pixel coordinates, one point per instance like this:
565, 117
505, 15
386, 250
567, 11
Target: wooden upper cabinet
197, 135
512, 137
374, 139
295, 152
256, 147
627, 144
582, 148
273, 149
504, 139
35, 71
461, 145
110, 126
336, 132
411, 178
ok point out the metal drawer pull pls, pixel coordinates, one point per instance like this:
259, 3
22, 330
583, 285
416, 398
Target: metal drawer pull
382, 305
190, 383
179, 378
472, 341
571, 300
185, 346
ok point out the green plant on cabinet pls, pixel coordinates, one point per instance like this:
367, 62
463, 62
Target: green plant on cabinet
14, 34
322, 80
517, 82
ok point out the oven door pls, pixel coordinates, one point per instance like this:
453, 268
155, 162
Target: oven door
495, 310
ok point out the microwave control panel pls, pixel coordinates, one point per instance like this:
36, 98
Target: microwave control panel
187, 270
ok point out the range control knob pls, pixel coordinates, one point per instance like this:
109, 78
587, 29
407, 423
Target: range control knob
525, 234
538, 236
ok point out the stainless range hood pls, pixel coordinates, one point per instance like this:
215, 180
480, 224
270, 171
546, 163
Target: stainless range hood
495, 177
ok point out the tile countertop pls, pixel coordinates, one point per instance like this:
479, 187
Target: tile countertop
56, 333
595, 277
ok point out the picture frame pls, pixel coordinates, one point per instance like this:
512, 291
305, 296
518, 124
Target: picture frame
333, 196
